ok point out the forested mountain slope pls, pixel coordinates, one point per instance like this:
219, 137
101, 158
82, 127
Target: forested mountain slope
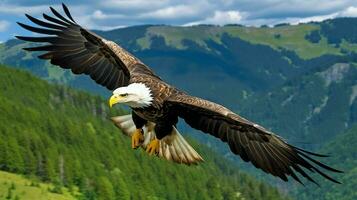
343, 149
65, 137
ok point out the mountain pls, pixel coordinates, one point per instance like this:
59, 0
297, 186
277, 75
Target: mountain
63, 136
297, 80
250, 59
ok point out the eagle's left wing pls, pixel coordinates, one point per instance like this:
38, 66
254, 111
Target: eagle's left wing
252, 142
71, 46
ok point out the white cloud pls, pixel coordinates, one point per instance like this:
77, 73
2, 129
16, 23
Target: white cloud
349, 12
4, 25
135, 4
109, 14
20, 10
318, 18
107, 28
94, 21
98, 14
221, 18
178, 11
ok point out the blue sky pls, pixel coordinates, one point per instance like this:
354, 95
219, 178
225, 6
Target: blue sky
109, 14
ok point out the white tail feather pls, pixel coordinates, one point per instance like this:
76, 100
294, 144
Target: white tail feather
172, 147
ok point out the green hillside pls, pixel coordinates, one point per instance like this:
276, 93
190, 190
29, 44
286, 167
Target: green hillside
344, 157
64, 137
287, 37
297, 38
17, 187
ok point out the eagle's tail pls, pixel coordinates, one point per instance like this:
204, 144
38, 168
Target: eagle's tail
172, 147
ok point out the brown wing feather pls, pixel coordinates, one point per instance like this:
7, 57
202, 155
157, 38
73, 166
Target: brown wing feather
72, 47
252, 142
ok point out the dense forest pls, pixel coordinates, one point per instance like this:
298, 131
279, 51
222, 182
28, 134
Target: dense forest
64, 137
343, 156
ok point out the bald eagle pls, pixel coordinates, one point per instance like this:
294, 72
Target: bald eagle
157, 106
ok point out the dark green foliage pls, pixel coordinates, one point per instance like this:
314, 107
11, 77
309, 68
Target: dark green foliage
340, 29
119, 185
312, 108
72, 143
12, 156
243, 57
343, 149
239, 25
281, 24
313, 36
9, 193
57, 188
104, 189
13, 186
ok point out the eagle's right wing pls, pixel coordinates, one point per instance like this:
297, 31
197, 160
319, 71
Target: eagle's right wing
252, 142
72, 47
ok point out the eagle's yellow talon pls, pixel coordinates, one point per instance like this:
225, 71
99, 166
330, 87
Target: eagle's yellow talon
153, 147
137, 138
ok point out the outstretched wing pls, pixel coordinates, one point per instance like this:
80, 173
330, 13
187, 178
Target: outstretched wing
252, 142
72, 47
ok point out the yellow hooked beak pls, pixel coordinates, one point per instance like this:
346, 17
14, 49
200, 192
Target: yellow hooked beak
114, 100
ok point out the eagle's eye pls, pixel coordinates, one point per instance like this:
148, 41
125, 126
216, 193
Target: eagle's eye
123, 95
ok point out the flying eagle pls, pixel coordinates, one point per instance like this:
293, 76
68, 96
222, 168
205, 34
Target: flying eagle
157, 106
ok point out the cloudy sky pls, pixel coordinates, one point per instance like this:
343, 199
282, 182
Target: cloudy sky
109, 14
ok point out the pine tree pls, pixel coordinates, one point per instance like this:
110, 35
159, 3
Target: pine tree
105, 190
30, 161
3, 149
49, 170
213, 189
121, 189
14, 160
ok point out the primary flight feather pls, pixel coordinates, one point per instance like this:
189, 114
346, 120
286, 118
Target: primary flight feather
157, 106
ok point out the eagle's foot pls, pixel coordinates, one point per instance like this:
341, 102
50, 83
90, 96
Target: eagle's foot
137, 138
153, 147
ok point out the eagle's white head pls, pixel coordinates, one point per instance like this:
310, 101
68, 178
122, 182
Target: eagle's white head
136, 95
